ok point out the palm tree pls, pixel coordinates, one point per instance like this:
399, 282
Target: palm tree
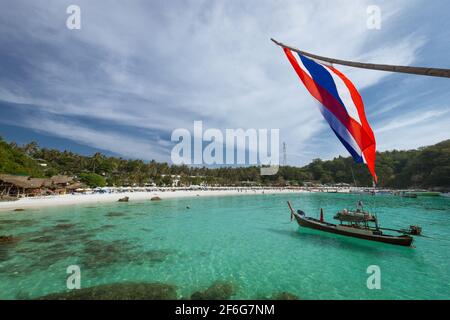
96, 160
31, 148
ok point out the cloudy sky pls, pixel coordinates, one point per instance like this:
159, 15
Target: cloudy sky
137, 70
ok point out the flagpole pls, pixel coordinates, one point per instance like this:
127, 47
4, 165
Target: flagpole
432, 72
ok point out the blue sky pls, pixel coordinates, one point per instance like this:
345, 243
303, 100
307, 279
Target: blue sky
138, 70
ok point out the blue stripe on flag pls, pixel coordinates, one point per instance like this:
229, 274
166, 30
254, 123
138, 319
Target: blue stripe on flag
352, 151
322, 77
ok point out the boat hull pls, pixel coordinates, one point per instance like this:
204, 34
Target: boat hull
311, 223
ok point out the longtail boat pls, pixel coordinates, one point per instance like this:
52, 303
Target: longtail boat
355, 224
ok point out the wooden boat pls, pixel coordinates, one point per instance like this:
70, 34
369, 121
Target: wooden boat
356, 230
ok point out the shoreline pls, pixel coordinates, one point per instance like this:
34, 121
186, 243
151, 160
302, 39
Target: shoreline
76, 199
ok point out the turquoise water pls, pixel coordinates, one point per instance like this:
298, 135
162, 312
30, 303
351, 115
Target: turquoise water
244, 240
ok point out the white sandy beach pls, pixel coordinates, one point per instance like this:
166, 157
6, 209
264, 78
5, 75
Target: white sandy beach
77, 199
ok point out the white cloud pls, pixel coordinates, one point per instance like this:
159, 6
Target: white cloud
160, 66
122, 144
414, 129
411, 120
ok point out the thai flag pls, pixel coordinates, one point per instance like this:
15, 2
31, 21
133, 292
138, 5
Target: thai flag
340, 104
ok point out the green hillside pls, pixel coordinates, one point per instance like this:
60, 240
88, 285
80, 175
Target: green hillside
427, 167
14, 160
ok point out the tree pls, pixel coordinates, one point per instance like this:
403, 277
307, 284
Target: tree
96, 160
14, 160
31, 148
93, 180
166, 181
427, 167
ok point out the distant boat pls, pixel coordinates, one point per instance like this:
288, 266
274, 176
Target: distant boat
428, 194
416, 194
382, 192
409, 195
355, 224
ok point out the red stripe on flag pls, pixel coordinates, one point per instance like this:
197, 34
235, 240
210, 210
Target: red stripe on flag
357, 100
370, 151
331, 103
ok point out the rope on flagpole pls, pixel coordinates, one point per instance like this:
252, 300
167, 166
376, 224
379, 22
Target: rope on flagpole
432, 72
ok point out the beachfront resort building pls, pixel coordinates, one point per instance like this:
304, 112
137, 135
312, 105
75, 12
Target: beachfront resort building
16, 186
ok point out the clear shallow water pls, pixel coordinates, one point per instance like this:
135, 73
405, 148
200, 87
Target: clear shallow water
246, 240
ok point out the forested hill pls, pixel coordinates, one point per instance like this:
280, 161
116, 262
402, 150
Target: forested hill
14, 160
427, 167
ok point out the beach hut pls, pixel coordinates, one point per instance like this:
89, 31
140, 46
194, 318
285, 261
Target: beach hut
14, 185
60, 184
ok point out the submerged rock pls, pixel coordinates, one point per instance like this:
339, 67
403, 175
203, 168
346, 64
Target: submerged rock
7, 239
50, 258
119, 291
153, 256
100, 253
6, 242
44, 239
64, 226
115, 214
18, 223
104, 227
155, 199
220, 290
284, 296
19, 209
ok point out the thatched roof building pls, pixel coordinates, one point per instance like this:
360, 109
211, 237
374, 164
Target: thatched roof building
23, 184
30, 183
61, 180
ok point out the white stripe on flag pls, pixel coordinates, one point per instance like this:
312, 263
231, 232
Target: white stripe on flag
300, 63
340, 129
345, 95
